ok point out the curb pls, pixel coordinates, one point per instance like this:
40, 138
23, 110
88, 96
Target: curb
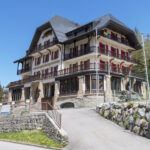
30, 144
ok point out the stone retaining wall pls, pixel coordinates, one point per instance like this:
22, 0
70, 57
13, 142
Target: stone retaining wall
32, 121
132, 116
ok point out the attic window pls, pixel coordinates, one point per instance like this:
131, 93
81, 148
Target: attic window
47, 33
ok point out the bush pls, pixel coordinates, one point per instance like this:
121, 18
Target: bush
135, 116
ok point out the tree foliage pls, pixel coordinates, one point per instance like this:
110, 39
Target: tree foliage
138, 55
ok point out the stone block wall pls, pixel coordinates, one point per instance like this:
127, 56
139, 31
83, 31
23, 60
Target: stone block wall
32, 121
132, 116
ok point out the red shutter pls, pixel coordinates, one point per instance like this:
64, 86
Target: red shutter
106, 49
88, 64
101, 65
76, 66
117, 52
70, 68
100, 46
112, 51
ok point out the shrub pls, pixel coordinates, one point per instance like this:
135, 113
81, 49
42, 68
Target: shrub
135, 116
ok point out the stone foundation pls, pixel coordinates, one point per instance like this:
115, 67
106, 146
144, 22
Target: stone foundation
89, 101
132, 116
32, 121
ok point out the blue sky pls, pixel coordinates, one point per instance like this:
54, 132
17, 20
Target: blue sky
20, 18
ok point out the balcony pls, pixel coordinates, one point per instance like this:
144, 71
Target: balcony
100, 50
42, 47
80, 69
80, 53
21, 71
115, 55
115, 38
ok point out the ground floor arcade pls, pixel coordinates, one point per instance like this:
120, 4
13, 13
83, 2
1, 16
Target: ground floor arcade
78, 86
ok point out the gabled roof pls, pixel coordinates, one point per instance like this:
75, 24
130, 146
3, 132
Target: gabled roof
62, 26
111, 22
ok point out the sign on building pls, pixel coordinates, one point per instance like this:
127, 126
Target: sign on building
5, 109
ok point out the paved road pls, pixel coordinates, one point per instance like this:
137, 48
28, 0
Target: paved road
88, 131
13, 146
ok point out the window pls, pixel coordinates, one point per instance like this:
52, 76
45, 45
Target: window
37, 61
87, 82
45, 58
115, 84
55, 55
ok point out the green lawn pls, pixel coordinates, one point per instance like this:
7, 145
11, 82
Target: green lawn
33, 137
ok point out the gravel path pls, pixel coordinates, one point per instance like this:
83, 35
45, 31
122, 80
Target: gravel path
88, 131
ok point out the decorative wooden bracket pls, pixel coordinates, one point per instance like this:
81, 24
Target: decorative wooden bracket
49, 51
121, 63
111, 60
59, 47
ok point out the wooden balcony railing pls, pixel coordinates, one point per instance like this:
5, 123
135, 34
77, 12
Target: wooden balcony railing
102, 68
117, 39
116, 55
20, 71
100, 50
42, 47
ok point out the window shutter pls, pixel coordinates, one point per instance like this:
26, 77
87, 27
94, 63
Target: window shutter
101, 65
76, 66
70, 68
81, 65
112, 51
76, 50
117, 52
88, 64
107, 49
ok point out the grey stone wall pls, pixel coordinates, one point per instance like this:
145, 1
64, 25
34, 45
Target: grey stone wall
132, 116
32, 121
89, 101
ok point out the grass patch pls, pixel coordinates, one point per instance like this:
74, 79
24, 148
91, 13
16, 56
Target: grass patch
32, 137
